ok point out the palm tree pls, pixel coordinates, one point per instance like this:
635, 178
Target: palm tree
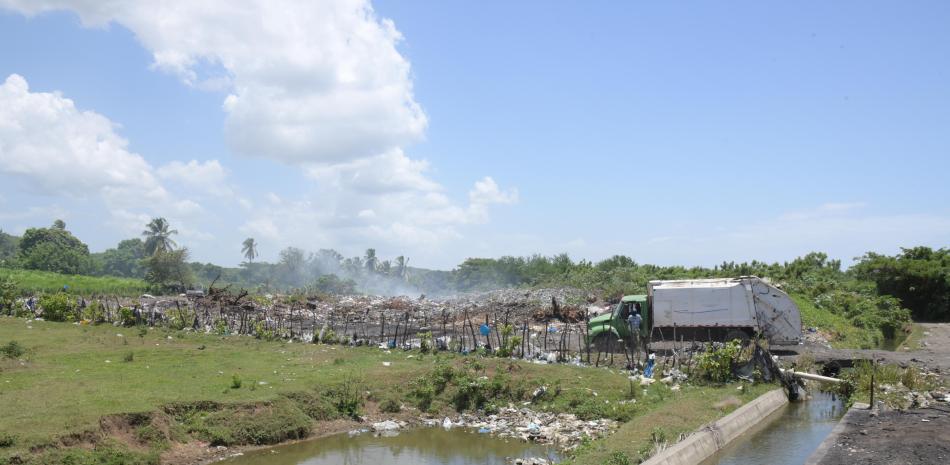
158, 236
402, 267
249, 249
371, 261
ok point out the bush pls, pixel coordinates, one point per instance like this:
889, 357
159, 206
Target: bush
235, 381
261, 424
129, 357
316, 406
126, 317
717, 364
347, 397
13, 349
390, 406
425, 342
56, 307
8, 294
7, 440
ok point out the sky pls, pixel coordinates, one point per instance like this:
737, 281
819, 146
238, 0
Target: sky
684, 133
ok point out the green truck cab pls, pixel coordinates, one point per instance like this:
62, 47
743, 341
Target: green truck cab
607, 328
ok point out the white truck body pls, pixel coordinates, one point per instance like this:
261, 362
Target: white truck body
745, 303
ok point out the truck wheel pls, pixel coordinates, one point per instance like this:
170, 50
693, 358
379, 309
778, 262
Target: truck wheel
739, 334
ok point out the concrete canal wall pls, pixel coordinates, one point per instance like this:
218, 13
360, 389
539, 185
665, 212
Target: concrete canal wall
705, 442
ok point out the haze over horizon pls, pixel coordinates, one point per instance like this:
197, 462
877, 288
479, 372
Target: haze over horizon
672, 134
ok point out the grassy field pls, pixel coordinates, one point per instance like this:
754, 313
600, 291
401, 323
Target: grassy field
32, 281
56, 391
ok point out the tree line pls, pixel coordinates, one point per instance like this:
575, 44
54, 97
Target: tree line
877, 291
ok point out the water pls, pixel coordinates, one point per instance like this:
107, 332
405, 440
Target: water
422, 446
787, 437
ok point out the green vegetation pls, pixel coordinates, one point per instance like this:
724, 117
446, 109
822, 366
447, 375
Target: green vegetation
66, 400
892, 383
663, 422
919, 277
53, 249
36, 282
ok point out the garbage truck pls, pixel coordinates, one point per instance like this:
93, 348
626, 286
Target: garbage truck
703, 310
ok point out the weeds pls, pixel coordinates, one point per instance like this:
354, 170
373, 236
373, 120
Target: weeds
13, 349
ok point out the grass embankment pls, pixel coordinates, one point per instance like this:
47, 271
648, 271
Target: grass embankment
665, 423
839, 331
103, 394
33, 281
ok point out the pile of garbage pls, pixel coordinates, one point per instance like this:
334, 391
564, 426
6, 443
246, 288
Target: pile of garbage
564, 430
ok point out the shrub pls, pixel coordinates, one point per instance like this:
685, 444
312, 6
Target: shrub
56, 307
390, 406
618, 457
717, 364
347, 397
329, 337
8, 293
129, 357
425, 342
7, 439
13, 349
261, 424
316, 406
235, 381
126, 317
423, 392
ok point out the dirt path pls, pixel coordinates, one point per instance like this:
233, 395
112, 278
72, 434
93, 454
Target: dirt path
933, 355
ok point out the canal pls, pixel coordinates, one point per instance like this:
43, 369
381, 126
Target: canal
788, 436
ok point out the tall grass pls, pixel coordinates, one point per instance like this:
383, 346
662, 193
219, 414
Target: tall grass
33, 281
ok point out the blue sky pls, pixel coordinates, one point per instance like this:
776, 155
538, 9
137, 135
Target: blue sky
676, 134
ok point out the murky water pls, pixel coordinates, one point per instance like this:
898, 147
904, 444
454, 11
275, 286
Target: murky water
788, 437
422, 446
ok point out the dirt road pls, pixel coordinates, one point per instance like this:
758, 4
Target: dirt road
934, 353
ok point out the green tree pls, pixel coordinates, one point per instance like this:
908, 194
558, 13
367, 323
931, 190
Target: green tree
124, 260
918, 276
9, 244
169, 270
249, 249
402, 267
370, 261
158, 236
59, 224
53, 249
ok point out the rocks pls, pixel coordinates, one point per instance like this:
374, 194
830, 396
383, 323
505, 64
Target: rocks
529, 461
388, 425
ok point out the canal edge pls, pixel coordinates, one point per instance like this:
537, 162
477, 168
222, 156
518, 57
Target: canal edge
712, 437
832, 438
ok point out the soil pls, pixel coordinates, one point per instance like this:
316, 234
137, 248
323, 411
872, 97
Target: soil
909, 437
934, 354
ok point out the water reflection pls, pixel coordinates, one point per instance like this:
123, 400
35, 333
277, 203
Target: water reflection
425, 446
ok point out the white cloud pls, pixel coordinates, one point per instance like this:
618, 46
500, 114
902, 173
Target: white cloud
57, 149
208, 176
316, 85
307, 81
